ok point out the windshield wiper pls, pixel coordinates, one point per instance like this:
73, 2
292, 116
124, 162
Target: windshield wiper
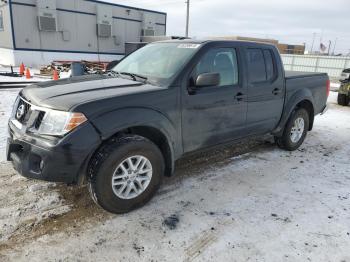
112, 73
134, 76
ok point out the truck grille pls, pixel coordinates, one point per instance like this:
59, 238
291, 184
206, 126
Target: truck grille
22, 112
27, 114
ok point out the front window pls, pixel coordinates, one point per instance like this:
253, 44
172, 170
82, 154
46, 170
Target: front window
158, 62
222, 61
1, 21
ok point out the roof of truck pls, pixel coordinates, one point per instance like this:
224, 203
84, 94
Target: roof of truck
208, 40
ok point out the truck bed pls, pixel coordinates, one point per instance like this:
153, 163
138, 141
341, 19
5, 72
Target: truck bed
296, 74
314, 84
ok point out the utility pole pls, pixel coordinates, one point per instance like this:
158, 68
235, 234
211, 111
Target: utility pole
335, 44
188, 18
313, 42
329, 47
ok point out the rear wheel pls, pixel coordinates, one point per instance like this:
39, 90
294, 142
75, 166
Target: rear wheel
126, 173
343, 99
295, 131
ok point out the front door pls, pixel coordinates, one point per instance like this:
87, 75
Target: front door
214, 114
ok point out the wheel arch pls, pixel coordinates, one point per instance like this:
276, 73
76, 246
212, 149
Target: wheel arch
308, 106
159, 139
301, 99
145, 122
151, 133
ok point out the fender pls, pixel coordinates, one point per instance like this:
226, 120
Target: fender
110, 123
292, 101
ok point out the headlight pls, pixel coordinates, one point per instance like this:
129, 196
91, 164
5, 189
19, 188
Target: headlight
59, 123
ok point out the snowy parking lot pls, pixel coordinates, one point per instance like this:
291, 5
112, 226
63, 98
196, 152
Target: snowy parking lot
243, 202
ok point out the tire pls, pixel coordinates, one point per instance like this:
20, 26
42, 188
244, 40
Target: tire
343, 99
108, 161
288, 141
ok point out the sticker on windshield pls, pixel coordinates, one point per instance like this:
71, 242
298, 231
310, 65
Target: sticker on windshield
191, 46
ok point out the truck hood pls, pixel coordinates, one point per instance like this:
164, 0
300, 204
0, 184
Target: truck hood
68, 93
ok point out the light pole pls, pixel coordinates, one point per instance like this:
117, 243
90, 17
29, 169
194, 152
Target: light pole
188, 17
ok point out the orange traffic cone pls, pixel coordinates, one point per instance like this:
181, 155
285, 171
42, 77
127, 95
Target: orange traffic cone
21, 69
28, 76
55, 75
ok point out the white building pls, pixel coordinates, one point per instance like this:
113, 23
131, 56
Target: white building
38, 32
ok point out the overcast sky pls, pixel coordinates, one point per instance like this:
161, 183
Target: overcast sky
289, 21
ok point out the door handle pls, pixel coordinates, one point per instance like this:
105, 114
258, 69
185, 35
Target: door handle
240, 97
276, 91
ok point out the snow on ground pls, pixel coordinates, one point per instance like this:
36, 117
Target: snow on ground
335, 86
24, 203
7, 98
33, 71
249, 202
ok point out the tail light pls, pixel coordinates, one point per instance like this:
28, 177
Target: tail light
328, 87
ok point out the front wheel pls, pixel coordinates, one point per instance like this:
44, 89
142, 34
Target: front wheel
125, 173
295, 131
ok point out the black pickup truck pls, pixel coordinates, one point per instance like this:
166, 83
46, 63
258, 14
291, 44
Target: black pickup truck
123, 131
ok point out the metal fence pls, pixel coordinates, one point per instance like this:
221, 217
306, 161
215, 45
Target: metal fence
332, 65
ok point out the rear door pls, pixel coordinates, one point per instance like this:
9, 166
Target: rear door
265, 90
214, 114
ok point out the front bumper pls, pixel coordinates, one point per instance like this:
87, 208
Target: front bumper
55, 160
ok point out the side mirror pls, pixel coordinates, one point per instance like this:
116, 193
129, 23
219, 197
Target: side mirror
208, 79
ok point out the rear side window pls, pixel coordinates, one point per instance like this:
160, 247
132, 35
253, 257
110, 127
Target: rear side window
261, 65
256, 65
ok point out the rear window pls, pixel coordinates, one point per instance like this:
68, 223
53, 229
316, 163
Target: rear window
256, 65
261, 65
270, 68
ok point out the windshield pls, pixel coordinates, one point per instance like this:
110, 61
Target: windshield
157, 62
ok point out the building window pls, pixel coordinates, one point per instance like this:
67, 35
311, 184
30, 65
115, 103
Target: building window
1, 21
